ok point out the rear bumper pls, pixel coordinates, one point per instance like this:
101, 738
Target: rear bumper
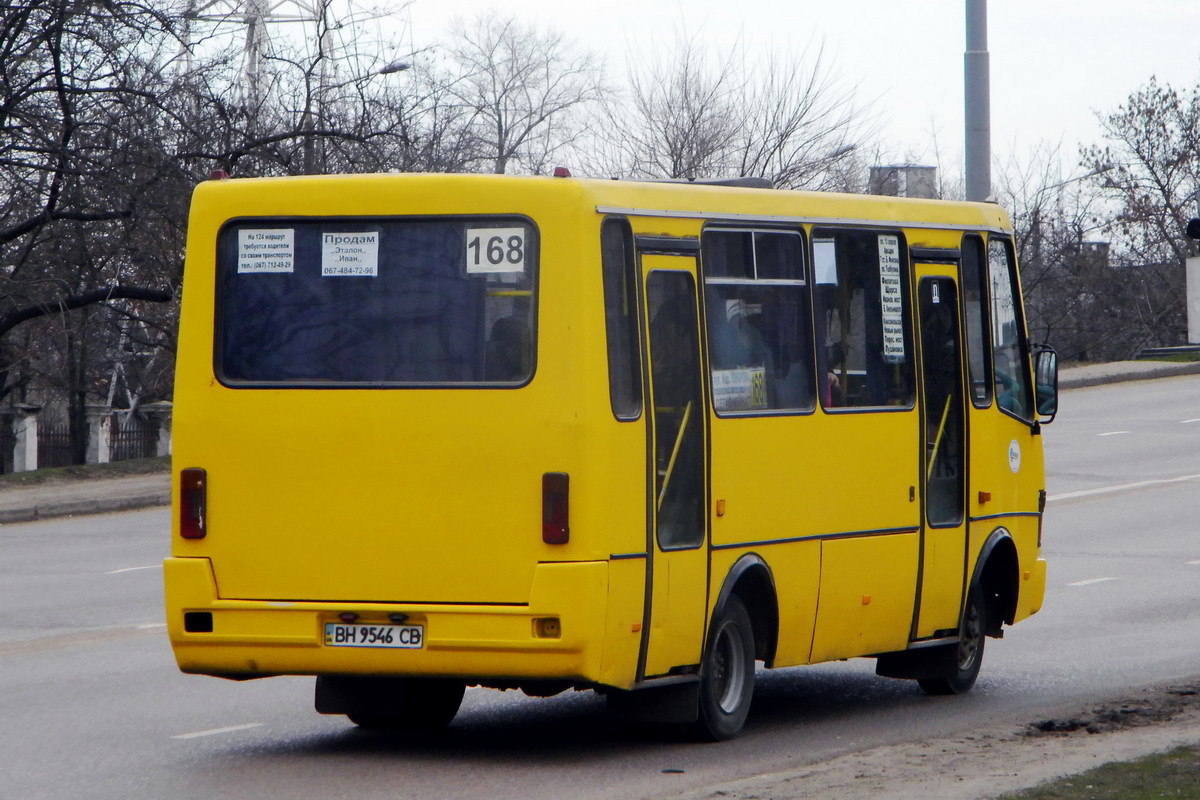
255, 638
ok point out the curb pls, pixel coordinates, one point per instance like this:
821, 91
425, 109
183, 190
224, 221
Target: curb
68, 508
1136, 371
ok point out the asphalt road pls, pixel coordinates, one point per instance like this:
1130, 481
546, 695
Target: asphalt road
91, 704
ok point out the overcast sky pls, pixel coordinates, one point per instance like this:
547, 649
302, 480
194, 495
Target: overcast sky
1053, 62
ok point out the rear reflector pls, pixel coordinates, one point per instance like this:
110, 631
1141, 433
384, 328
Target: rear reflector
193, 503
197, 622
555, 507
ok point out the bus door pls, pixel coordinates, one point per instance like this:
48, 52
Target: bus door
678, 505
944, 428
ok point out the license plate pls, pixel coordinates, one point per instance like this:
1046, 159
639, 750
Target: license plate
409, 637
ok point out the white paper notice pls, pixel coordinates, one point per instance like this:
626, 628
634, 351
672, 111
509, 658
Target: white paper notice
825, 261
741, 389
350, 254
266, 250
891, 299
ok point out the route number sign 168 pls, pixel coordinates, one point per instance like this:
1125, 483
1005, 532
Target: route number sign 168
495, 250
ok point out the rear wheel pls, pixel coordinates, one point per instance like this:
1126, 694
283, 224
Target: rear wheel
726, 674
962, 661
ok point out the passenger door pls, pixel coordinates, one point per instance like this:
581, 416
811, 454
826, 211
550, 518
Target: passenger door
944, 426
679, 470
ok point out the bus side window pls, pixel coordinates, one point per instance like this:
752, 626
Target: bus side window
864, 319
1009, 349
757, 313
620, 318
975, 307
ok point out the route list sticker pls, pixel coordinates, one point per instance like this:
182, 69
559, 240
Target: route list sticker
350, 254
266, 250
891, 299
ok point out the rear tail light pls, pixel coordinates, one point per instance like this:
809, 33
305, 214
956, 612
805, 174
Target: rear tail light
555, 508
193, 503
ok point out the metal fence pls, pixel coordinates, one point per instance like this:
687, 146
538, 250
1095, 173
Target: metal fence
132, 438
8, 441
54, 446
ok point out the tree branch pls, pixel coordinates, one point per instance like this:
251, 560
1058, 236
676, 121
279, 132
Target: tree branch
75, 301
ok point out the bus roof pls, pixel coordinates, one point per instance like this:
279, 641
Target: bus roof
678, 199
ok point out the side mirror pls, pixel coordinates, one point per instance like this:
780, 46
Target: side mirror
1045, 381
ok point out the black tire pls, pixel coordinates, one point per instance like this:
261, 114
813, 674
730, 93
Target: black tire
411, 706
726, 674
962, 661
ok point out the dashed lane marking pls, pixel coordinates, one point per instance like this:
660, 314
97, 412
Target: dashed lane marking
216, 731
1122, 487
1113, 433
1090, 581
1189, 421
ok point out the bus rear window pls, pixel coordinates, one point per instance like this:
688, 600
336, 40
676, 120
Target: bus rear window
376, 302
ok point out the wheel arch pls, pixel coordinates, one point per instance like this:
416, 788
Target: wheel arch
751, 580
997, 576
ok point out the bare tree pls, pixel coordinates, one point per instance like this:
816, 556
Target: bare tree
1149, 170
1103, 254
1064, 267
689, 115
82, 173
525, 89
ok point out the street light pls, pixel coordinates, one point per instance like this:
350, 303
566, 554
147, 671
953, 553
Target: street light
307, 118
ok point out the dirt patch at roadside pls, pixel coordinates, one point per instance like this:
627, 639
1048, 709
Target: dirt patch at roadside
990, 762
1162, 706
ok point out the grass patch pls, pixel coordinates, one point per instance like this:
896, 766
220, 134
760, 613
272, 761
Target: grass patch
1168, 775
84, 472
1175, 358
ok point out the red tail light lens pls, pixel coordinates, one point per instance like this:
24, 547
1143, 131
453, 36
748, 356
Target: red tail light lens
193, 503
555, 508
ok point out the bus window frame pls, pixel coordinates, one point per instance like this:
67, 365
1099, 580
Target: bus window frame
218, 301
632, 272
986, 322
1014, 279
906, 276
804, 281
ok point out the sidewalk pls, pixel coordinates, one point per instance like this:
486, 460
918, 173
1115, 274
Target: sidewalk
28, 503
1118, 371
66, 498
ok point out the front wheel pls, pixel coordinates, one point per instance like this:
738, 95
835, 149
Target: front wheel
726, 674
962, 661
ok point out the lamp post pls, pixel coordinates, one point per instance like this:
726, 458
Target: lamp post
1191, 275
309, 120
977, 104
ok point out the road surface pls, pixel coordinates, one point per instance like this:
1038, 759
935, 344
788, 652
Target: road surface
92, 705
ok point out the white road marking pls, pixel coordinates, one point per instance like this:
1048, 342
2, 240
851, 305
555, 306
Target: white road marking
149, 626
1113, 433
215, 731
1090, 581
1122, 487
133, 569
1194, 563
1189, 421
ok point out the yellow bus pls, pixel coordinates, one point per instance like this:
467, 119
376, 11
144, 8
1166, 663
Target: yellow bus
434, 431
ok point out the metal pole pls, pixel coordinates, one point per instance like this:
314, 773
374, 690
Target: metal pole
977, 104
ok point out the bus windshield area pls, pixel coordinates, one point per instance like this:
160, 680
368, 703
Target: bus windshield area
376, 302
